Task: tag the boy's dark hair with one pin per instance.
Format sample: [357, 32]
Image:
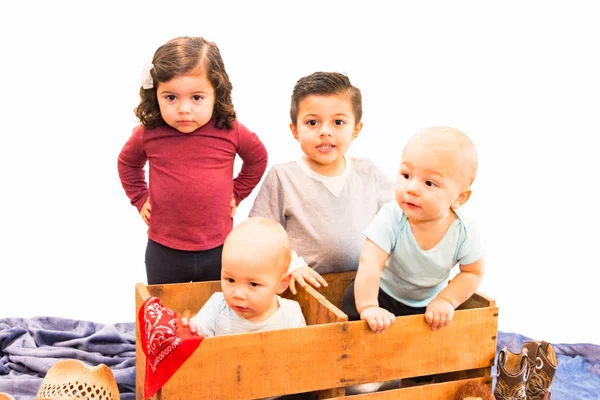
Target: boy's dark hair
[182, 56]
[325, 83]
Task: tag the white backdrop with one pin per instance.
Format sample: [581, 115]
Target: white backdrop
[520, 78]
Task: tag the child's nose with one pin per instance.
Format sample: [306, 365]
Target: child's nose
[184, 106]
[412, 186]
[325, 131]
[239, 293]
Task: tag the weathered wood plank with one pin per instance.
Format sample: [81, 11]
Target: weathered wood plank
[326, 356]
[445, 390]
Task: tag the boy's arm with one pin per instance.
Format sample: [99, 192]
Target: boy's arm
[440, 310]
[269, 202]
[296, 262]
[254, 156]
[269, 199]
[464, 284]
[366, 287]
[303, 274]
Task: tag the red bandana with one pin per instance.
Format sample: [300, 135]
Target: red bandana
[165, 352]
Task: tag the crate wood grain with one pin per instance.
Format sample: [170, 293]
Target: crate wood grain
[329, 354]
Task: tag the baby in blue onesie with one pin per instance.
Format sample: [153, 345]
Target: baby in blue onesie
[413, 242]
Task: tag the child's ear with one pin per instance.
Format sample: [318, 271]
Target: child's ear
[462, 199]
[294, 130]
[285, 282]
[357, 129]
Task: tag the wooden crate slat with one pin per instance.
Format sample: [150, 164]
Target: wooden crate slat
[328, 355]
[445, 390]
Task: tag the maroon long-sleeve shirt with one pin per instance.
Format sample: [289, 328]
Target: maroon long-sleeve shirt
[190, 180]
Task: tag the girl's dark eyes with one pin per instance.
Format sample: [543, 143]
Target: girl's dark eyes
[254, 284]
[405, 175]
[230, 280]
[312, 122]
[339, 122]
[429, 183]
[170, 97]
[197, 98]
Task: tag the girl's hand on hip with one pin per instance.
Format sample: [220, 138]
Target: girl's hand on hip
[146, 211]
[233, 206]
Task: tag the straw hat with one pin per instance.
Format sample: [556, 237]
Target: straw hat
[73, 379]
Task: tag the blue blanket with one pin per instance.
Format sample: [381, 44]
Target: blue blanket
[29, 347]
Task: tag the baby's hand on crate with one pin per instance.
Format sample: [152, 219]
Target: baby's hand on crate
[439, 313]
[186, 326]
[379, 319]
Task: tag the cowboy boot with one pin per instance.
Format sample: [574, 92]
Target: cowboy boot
[542, 366]
[512, 372]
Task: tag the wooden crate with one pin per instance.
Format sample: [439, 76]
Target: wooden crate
[329, 354]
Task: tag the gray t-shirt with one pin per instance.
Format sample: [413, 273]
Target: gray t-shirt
[215, 318]
[325, 229]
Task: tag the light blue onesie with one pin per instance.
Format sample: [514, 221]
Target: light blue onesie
[414, 276]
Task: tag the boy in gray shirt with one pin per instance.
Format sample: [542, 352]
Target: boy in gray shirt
[326, 199]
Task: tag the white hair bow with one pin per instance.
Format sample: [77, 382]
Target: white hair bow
[147, 82]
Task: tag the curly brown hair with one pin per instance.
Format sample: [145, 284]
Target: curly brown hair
[182, 56]
[325, 83]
